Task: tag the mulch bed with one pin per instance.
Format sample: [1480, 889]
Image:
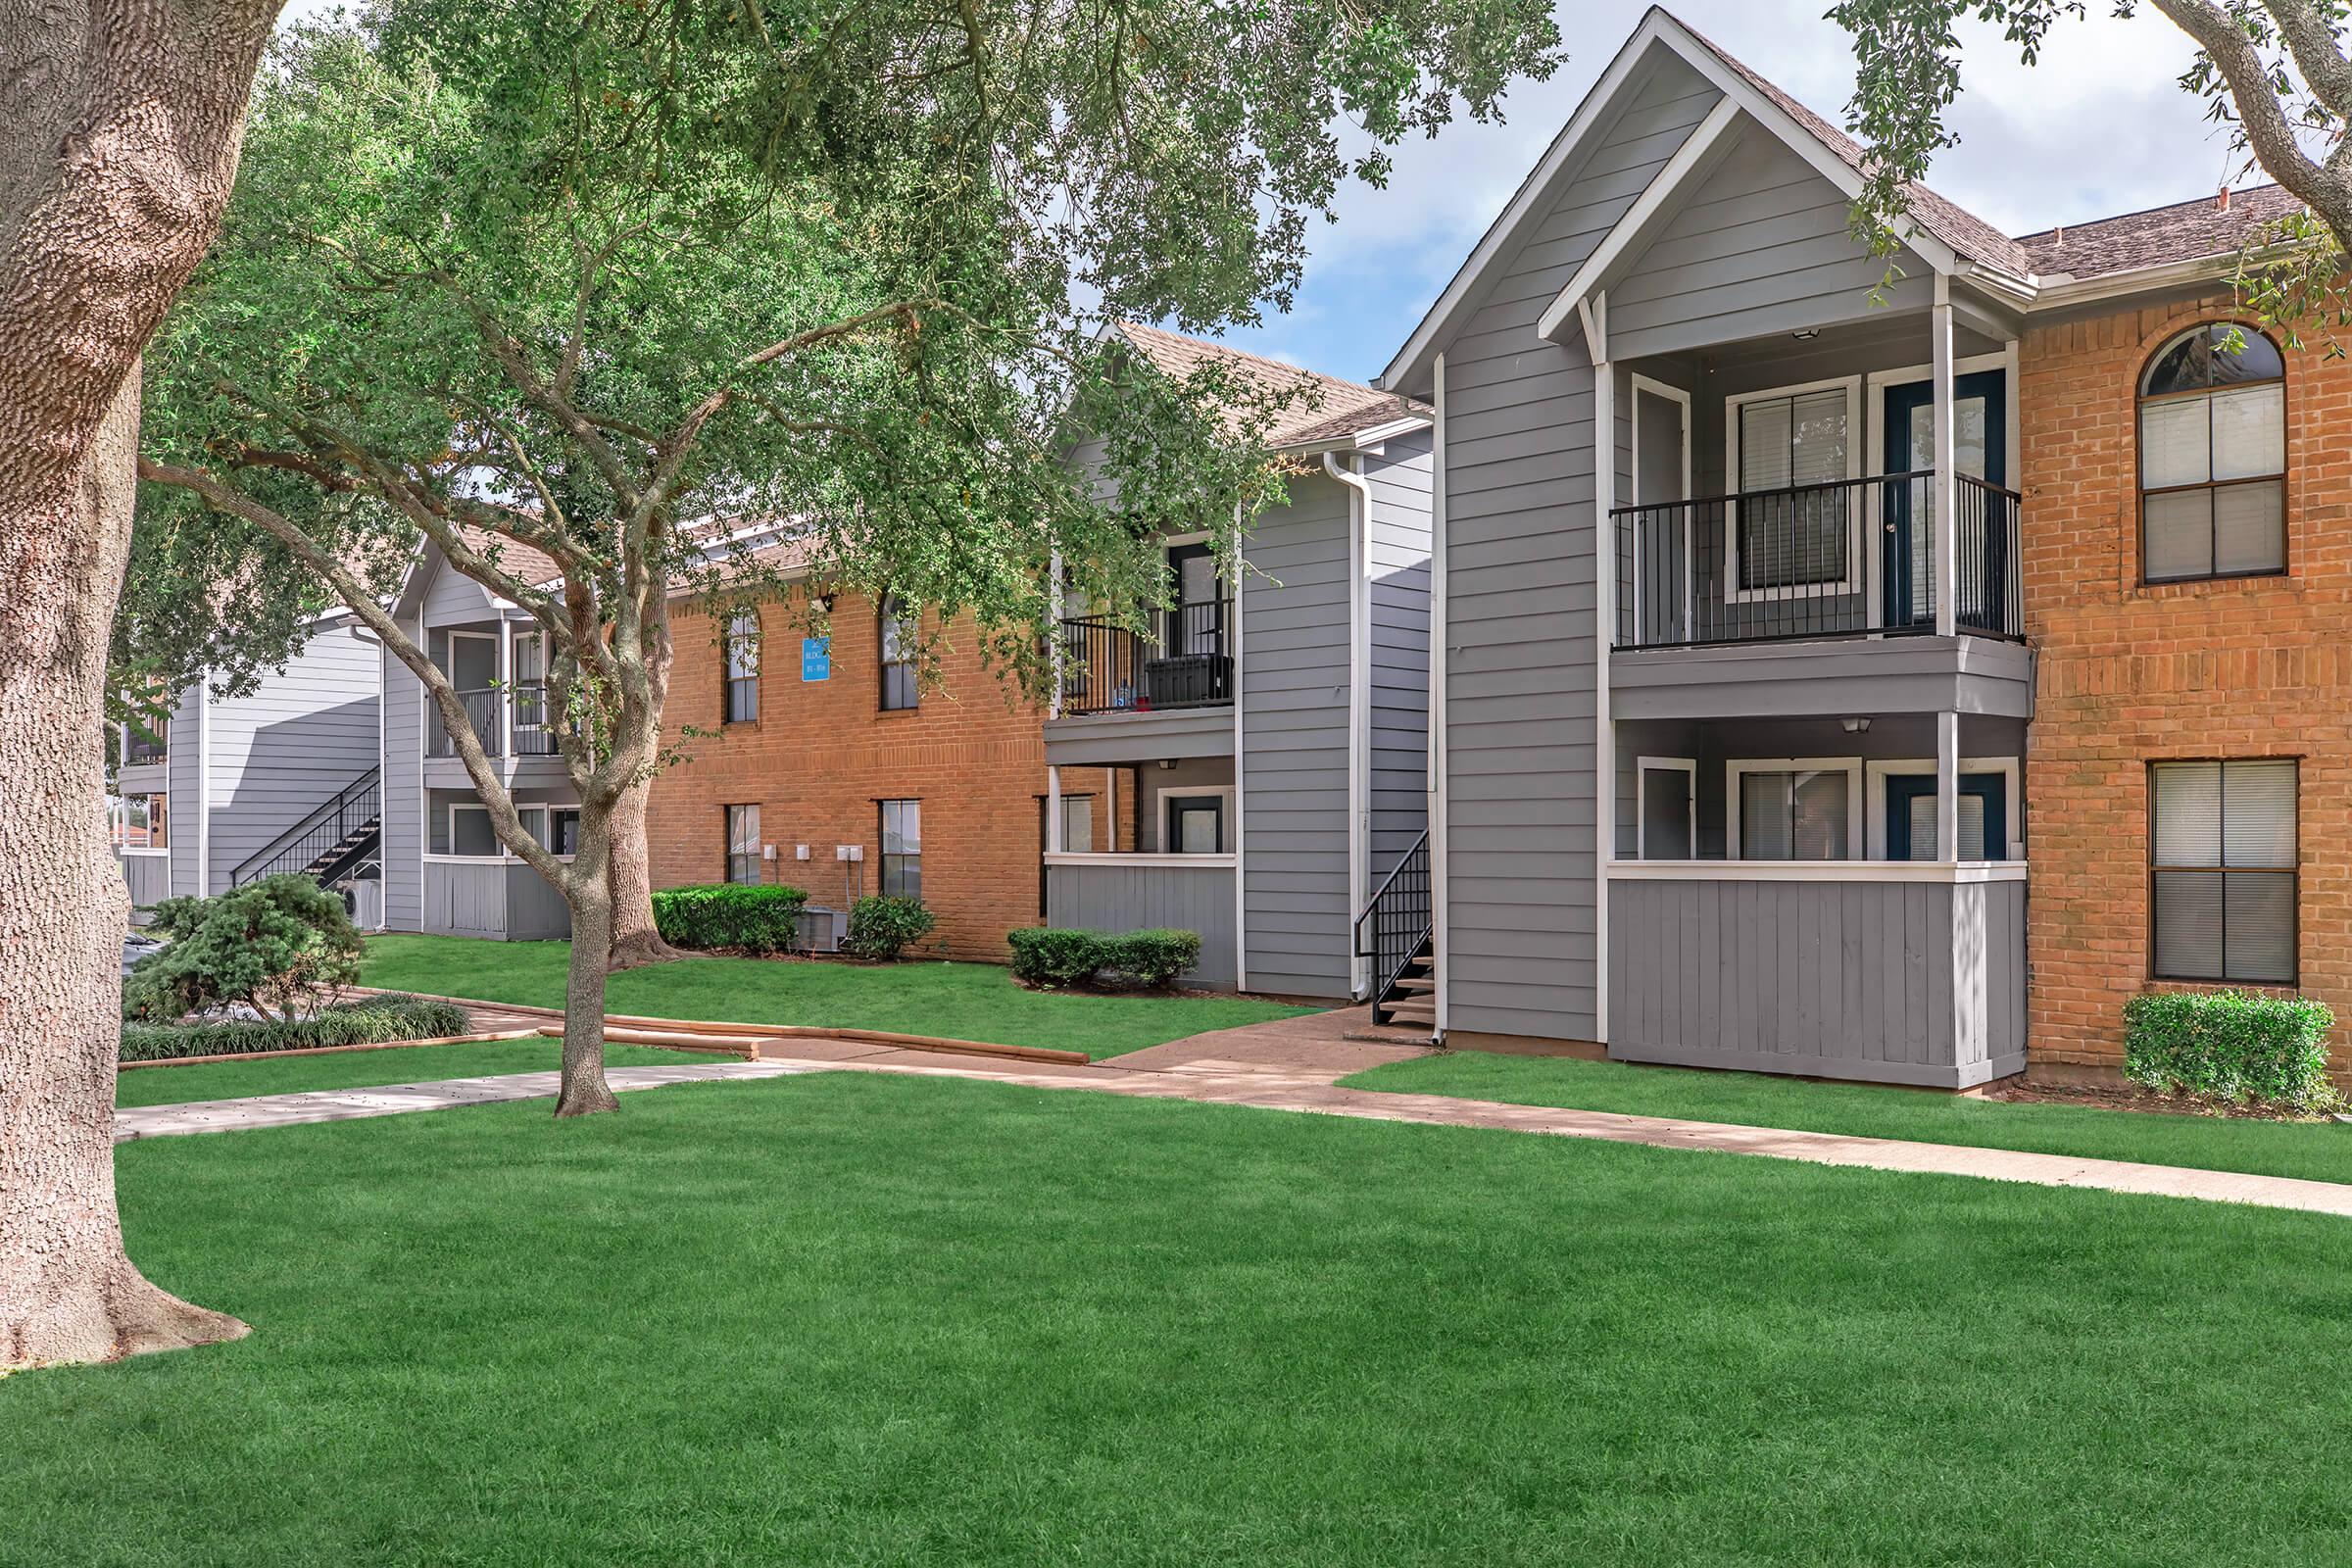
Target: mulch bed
[2127, 1098]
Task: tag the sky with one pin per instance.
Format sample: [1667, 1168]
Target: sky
[2099, 126]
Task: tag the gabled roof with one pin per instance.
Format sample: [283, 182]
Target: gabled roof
[2184, 231]
[1329, 409]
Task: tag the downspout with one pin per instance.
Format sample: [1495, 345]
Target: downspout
[1359, 708]
[204, 786]
[1241, 794]
[1438, 633]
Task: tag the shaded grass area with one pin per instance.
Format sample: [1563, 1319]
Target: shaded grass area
[364, 1069]
[847, 1318]
[948, 1000]
[2316, 1151]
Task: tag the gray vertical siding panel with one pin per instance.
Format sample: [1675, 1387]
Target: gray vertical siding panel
[1295, 735]
[1143, 896]
[1521, 595]
[1399, 655]
[184, 791]
[1842, 980]
[404, 803]
[149, 878]
[284, 749]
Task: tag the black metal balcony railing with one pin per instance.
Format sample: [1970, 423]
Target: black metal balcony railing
[533, 735]
[142, 749]
[1184, 660]
[1770, 565]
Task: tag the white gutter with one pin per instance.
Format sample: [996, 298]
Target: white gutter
[1359, 708]
[204, 787]
[1604, 628]
[1241, 795]
[1438, 633]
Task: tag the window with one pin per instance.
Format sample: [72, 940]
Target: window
[142, 822]
[2213, 458]
[742, 703]
[1195, 825]
[742, 843]
[560, 832]
[1077, 825]
[903, 849]
[1797, 810]
[2222, 870]
[470, 833]
[1792, 527]
[897, 656]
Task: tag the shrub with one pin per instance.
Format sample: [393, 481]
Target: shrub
[2231, 1046]
[730, 914]
[282, 945]
[1045, 956]
[885, 925]
[375, 1021]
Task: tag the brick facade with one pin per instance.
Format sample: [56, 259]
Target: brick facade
[821, 755]
[2129, 673]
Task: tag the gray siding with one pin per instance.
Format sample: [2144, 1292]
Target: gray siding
[1520, 584]
[1143, 896]
[182, 763]
[149, 878]
[1294, 738]
[502, 900]
[1398, 661]
[1094, 739]
[1759, 247]
[1887, 982]
[404, 799]
[302, 734]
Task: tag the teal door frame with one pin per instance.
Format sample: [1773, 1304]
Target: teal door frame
[1894, 553]
[1904, 788]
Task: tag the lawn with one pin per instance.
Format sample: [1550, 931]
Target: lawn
[277, 1074]
[847, 1318]
[948, 1000]
[2319, 1150]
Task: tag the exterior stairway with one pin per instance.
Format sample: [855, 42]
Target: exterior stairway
[1395, 932]
[331, 841]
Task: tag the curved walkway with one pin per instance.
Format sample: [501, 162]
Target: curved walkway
[1271, 1067]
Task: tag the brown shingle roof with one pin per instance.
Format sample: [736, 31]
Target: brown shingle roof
[1329, 408]
[2184, 231]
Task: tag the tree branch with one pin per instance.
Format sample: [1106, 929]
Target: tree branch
[2259, 110]
[2311, 39]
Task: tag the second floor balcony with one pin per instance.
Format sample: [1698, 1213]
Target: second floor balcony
[1184, 658]
[509, 722]
[1849, 558]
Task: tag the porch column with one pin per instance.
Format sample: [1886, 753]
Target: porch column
[1947, 787]
[1052, 810]
[1056, 635]
[506, 687]
[1945, 487]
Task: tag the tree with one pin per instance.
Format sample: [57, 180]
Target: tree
[123, 123]
[2274, 71]
[556, 283]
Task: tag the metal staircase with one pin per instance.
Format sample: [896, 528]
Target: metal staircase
[1395, 932]
[330, 842]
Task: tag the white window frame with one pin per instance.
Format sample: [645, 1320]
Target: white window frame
[1229, 824]
[1879, 771]
[1642, 766]
[1850, 767]
[523, 809]
[118, 813]
[1673, 394]
[1855, 464]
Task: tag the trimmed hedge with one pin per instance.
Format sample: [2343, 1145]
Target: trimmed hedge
[883, 925]
[2231, 1046]
[372, 1022]
[1045, 956]
[731, 915]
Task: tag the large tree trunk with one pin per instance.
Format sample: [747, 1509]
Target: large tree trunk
[589, 891]
[123, 123]
[635, 939]
[67, 1290]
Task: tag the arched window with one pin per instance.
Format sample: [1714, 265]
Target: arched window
[2212, 456]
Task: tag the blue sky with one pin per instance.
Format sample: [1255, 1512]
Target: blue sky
[2099, 126]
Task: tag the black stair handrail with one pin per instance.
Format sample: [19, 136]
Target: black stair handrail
[353, 808]
[1397, 925]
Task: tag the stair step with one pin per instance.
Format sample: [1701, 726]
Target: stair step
[1420, 1010]
[1416, 983]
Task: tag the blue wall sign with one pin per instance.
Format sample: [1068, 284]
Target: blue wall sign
[816, 657]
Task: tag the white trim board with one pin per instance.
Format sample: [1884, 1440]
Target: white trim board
[1146, 861]
[1931, 872]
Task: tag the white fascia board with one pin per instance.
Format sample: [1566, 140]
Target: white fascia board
[1691, 160]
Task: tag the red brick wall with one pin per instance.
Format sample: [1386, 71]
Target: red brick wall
[2129, 673]
[823, 753]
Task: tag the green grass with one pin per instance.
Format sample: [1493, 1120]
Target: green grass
[2317, 1151]
[852, 1319]
[271, 1074]
[948, 1000]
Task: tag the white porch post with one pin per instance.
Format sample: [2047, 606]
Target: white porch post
[1947, 787]
[1052, 810]
[1947, 486]
[1056, 636]
[1604, 633]
[506, 687]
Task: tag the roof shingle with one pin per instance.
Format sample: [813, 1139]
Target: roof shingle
[2183, 231]
[1330, 410]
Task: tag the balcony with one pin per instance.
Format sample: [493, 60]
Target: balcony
[1183, 660]
[1852, 557]
[507, 723]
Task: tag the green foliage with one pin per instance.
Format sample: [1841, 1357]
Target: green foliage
[730, 916]
[374, 1021]
[2231, 1046]
[1045, 956]
[885, 925]
[281, 946]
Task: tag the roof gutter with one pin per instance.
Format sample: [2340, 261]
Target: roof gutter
[1359, 706]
